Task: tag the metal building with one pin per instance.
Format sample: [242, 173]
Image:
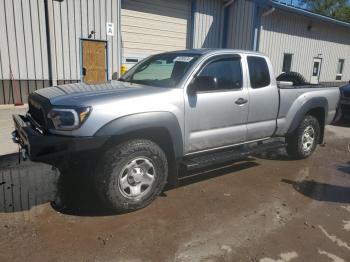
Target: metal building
[50, 42]
[316, 46]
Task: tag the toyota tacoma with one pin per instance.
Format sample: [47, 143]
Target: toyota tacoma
[183, 109]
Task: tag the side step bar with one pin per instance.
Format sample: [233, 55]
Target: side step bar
[233, 154]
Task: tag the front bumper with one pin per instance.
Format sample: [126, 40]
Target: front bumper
[42, 147]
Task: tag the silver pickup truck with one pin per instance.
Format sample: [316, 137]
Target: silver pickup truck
[183, 109]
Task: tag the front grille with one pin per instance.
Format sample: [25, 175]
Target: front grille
[345, 109]
[345, 90]
[346, 94]
[37, 114]
[38, 109]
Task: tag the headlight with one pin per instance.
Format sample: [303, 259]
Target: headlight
[68, 118]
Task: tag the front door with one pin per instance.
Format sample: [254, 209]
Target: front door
[94, 70]
[216, 114]
[316, 69]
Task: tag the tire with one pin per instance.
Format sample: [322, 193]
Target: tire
[123, 177]
[299, 145]
[297, 78]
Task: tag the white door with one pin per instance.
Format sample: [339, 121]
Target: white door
[316, 69]
[154, 26]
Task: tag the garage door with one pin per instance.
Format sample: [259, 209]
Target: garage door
[154, 26]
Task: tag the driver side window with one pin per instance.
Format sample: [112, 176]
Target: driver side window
[226, 72]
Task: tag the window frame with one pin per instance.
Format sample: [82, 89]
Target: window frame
[339, 76]
[213, 59]
[248, 70]
[291, 62]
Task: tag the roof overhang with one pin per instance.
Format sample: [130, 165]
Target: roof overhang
[301, 11]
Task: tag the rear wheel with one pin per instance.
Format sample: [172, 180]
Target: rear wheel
[303, 142]
[131, 175]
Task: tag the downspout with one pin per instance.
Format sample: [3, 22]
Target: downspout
[256, 29]
[257, 24]
[228, 3]
[268, 12]
[225, 22]
[48, 42]
[193, 23]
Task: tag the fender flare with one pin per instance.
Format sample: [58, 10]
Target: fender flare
[141, 121]
[313, 103]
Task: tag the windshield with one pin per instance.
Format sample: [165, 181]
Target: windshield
[163, 70]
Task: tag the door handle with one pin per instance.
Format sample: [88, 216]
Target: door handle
[241, 101]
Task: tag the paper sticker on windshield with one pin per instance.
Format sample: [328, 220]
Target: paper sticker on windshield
[185, 59]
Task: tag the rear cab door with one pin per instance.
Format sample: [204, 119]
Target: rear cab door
[263, 98]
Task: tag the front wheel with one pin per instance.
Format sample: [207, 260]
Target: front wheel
[131, 175]
[303, 142]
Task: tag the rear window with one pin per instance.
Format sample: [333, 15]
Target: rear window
[258, 71]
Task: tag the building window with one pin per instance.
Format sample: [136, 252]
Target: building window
[287, 62]
[340, 68]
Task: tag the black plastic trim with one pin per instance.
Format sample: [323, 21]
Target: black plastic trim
[46, 147]
[316, 102]
[141, 121]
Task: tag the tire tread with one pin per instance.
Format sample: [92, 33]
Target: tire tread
[113, 160]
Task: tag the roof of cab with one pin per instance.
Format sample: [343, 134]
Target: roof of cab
[203, 51]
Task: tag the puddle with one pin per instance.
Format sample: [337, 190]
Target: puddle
[25, 185]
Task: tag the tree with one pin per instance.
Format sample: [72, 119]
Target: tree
[343, 14]
[338, 9]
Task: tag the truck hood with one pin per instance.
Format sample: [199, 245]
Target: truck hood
[83, 94]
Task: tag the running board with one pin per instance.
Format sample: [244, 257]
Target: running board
[233, 154]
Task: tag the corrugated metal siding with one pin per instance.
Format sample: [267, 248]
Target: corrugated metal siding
[72, 20]
[241, 25]
[153, 26]
[283, 32]
[22, 46]
[207, 24]
[23, 42]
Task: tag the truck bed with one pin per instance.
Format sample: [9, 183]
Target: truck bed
[292, 98]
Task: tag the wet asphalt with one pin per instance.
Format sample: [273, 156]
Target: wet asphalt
[266, 208]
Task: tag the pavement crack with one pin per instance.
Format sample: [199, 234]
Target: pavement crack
[284, 257]
[334, 239]
[347, 208]
[346, 225]
[331, 256]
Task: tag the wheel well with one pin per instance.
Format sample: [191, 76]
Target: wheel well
[158, 135]
[319, 114]
[162, 138]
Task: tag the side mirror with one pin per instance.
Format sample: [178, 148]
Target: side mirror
[115, 76]
[202, 83]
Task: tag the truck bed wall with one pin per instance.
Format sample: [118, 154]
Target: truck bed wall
[292, 101]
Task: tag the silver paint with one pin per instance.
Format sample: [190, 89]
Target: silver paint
[207, 120]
